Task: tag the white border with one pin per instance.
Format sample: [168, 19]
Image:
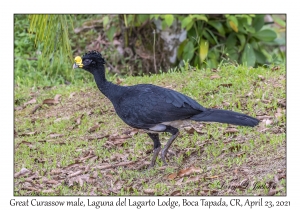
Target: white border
[154, 6]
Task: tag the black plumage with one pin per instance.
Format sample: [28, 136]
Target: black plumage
[153, 108]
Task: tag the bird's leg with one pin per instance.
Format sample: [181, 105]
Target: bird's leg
[174, 132]
[156, 147]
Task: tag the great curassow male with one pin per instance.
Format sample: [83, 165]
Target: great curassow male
[153, 108]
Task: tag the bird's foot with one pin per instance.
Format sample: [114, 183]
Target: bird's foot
[164, 153]
[155, 154]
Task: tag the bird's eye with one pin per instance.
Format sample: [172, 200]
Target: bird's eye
[87, 62]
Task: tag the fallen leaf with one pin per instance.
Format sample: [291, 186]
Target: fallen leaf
[262, 117]
[50, 101]
[193, 179]
[189, 171]
[22, 172]
[95, 127]
[172, 176]
[32, 101]
[51, 181]
[27, 143]
[149, 191]
[48, 191]
[231, 130]
[55, 135]
[75, 173]
[95, 137]
[271, 192]
[28, 134]
[176, 193]
[57, 97]
[191, 130]
[211, 177]
[35, 108]
[18, 108]
[215, 76]
[225, 85]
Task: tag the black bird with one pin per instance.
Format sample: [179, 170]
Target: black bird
[153, 108]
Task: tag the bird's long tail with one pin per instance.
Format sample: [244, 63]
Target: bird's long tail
[225, 116]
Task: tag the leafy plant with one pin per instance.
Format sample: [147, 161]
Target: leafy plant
[213, 38]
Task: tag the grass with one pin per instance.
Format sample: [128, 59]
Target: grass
[78, 146]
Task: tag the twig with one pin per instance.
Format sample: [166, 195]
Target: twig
[154, 52]
[115, 165]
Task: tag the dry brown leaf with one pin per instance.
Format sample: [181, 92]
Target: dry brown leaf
[51, 181]
[32, 101]
[22, 172]
[191, 130]
[57, 97]
[50, 101]
[211, 177]
[28, 134]
[271, 192]
[149, 191]
[94, 128]
[35, 108]
[26, 143]
[176, 193]
[189, 171]
[262, 117]
[193, 179]
[172, 176]
[95, 137]
[75, 174]
[225, 85]
[48, 191]
[18, 108]
[231, 130]
[215, 76]
[131, 132]
[55, 135]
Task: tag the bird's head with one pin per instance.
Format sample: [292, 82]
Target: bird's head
[90, 61]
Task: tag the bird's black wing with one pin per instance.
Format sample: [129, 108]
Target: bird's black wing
[144, 106]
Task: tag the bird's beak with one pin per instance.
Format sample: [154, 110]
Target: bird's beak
[78, 62]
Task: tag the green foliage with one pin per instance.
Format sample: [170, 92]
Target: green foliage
[53, 32]
[32, 65]
[45, 44]
[235, 38]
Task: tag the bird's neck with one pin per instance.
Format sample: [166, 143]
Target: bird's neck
[110, 90]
